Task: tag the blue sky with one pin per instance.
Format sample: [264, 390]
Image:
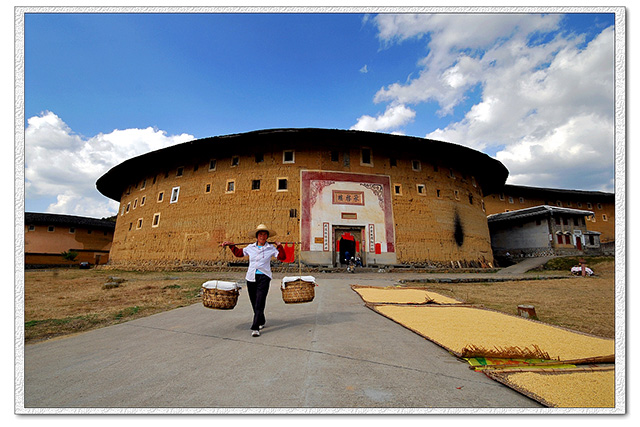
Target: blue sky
[533, 90]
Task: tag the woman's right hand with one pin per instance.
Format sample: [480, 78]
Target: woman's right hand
[223, 244]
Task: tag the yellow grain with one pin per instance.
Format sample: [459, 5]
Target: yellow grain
[456, 327]
[402, 296]
[569, 390]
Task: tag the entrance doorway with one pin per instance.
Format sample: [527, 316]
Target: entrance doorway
[348, 242]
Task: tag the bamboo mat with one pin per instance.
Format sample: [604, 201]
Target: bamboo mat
[460, 328]
[401, 295]
[570, 388]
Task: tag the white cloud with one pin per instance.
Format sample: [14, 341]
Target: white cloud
[545, 102]
[61, 165]
[394, 117]
[364, 69]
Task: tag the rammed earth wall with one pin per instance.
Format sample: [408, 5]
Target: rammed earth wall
[431, 211]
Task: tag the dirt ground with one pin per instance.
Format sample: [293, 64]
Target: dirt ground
[64, 301]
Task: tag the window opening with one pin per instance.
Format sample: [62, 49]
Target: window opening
[175, 192]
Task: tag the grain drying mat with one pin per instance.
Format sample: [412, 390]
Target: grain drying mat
[401, 295]
[563, 388]
[459, 329]
[470, 332]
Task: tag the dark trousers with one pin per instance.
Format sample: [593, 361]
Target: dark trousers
[258, 291]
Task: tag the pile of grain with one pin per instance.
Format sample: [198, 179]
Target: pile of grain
[392, 295]
[455, 328]
[585, 389]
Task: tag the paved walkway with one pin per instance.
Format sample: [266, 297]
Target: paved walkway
[330, 355]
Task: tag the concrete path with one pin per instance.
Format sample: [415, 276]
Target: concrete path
[525, 265]
[330, 353]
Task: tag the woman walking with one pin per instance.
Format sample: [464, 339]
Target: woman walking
[259, 273]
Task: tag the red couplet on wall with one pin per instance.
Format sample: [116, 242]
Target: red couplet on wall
[378, 248]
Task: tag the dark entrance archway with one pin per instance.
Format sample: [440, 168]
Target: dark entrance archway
[347, 240]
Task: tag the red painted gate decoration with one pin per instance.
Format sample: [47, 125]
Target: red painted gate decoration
[347, 236]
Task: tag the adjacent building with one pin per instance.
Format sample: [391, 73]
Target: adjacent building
[543, 231]
[600, 204]
[48, 236]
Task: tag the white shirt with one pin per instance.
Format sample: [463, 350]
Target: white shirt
[259, 259]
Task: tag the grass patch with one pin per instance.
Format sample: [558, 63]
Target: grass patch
[565, 263]
[585, 304]
[65, 301]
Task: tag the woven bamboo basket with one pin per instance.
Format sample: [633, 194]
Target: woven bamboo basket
[219, 299]
[298, 291]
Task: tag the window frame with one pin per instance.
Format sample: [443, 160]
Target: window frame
[231, 183]
[362, 156]
[284, 156]
[175, 191]
[278, 180]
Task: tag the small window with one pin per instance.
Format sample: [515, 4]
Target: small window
[501, 196]
[599, 205]
[144, 184]
[451, 174]
[128, 207]
[72, 230]
[416, 165]
[156, 220]
[144, 199]
[456, 194]
[160, 196]
[207, 188]
[521, 199]
[212, 164]
[393, 162]
[235, 161]
[155, 178]
[135, 203]
[293, 213]
[510, 199]
[579, 204]
[130, 226]
[589, 205]
[604, 217]
[283, 184]
[346, 158]
[559, 203]
[259, 157]
[470, 199]
[421, 189]
[139, 224]
[32, 228]
[438, 193]
[335, 156]
[288, 156]
[231, 186]
[569, 204]
[175, 192]
[366, 157]
[397, 189]
[255, 184]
